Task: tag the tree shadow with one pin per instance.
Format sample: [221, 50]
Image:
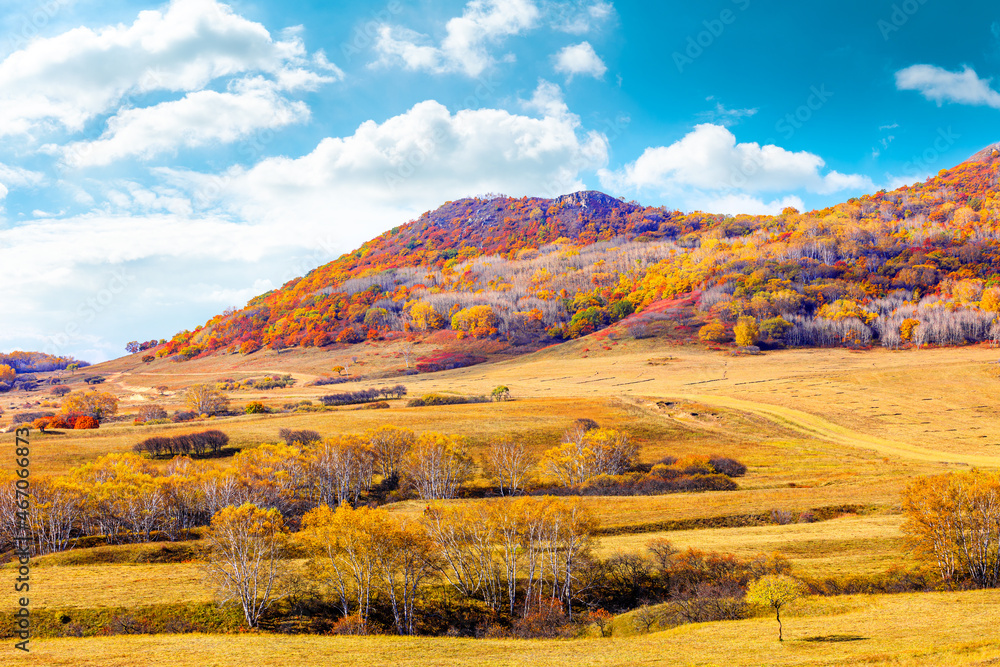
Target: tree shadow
[836, 638]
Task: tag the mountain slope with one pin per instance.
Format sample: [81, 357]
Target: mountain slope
[917, 264]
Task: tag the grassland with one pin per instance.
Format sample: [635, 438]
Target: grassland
[816, 428]
[906, 629]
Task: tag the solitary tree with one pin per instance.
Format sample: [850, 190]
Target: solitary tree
[775, 591]
[746, 331]
[246, 544]
[204, 398]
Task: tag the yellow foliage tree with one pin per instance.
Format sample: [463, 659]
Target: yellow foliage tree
[953, 520]
[584, 454]
[991, 300]
[907, 328]
[478, 321]
[746, 331]
[424, 317]
[96, 404]
[7, 374]
[775, 591]
[713, 332]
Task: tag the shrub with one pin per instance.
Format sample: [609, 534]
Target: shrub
[713, 332]
[380, 405]
[350, 336]
[728, 467]
[249, 347]
[86, 421]
[439, 399]
[349, 625]
[255, 408]
[302, 438]
[319, 382]
[782, 517]
[443, 361]
[546, 621]
[184, 416]
[694, 465]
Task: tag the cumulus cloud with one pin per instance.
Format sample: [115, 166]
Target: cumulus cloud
[578, 18]
[707, 169]
[464, 48]
[200, 118]
[580, 59]
[412, 162]
[709, 159]
[67, 80]
[470, 39]
[939, 85]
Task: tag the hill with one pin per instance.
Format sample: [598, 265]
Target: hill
[915, 265]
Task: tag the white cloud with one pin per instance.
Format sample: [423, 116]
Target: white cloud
[734, 204]
[939, 85]
[73, 77]
[464, 47]
[198, 119]
[708, 159]
[578, 18]
[723, 116]
[580, 59]
[409, 163]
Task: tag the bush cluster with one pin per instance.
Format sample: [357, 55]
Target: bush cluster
[197, 444]
[439, 399]
[363, 395]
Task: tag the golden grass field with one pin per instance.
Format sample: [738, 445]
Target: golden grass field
[906, 629]
[817, 428]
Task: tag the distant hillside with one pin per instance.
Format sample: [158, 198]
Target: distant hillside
[915, 265]
[36, 362]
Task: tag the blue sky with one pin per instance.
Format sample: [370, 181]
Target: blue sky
[162, 162]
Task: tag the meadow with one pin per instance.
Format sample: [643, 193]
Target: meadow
[831, 432]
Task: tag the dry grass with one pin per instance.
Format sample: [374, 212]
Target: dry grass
[88, 586]
[816, 428]
[851, 544]
[911, 629]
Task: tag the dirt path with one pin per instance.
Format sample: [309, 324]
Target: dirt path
[819, 428]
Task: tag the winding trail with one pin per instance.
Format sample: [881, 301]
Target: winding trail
[819, 428]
